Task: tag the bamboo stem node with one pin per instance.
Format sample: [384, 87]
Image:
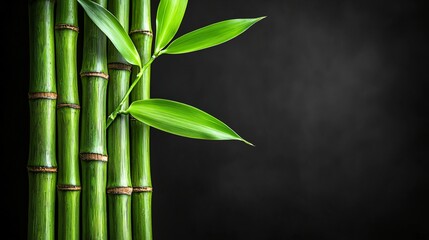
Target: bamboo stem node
[95, 74]
[93, 157]
[68, 188]
[141, 31]
[142, 189]
[119, 66]
[64, 26]
[38, 169]
[42, 95]
[120, 190]
[68, 105]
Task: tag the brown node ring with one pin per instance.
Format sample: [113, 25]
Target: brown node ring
[35, 169]
[68, 105]
[142, 189]
[119, 66]
[145, 32]
[68, 188]
[93, 157]
[120, 190]
[95, 74]
[42, 95]
[66, 26]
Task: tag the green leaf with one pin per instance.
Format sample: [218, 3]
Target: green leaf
[168, 19]
[210, 35]
[181, 119]
[111, 27]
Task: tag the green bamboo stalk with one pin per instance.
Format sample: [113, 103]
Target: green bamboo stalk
[119, 186]
[68, 109]
[141, 34]
[42, 165]
[93, 152]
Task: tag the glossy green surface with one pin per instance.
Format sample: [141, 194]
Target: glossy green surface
[93, 131]
[69, 209]
[118, 166]
[113, 29]
[119, 217]
[168, 19]
[42, 152]
[94, 213]
[67, 120]
[210, 36]
[142, 222]
[41, 207]
[118, 134]
[139, 132]
[181, 119]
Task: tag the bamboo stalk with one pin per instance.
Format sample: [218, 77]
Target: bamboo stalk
[68, 109]
[42, 165]
[119, 186]
[141, 34]
[93, 152]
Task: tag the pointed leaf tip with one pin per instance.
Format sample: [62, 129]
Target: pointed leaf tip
[248, 143]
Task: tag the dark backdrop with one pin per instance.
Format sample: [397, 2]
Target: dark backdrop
[332, 93]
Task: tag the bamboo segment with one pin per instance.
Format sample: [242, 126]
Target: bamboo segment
[93, 152]
[141, 34]
[42, 165]
[68, 109]
[118, 168]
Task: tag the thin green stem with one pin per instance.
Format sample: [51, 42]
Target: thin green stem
[118, 109]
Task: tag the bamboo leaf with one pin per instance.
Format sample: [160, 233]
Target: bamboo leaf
[210, 35]
[111, 27]
[181, 119]
[168, 19]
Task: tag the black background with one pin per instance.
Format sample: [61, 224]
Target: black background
[332, 93]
